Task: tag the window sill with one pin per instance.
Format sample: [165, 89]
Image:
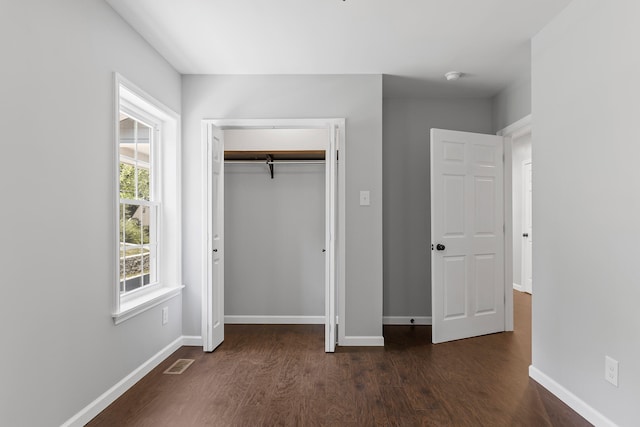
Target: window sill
[143, 303]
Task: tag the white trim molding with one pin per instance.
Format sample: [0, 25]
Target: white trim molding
[406, 320]
[353, 341]
[573, 401]
[509, 134]
[517, 287]
[517, 128]
[94, 408]
[192, 341]
[274, 320]
[149, 300]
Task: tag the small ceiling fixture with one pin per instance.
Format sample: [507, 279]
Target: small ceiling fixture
[453, 75]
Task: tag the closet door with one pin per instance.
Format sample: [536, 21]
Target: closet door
[331, 158]
[213, 289]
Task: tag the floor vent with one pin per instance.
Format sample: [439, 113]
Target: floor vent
[179, 366]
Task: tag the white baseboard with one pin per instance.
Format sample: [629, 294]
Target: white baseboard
[517, 287]
[275, 320]
[109, 396]
[193, 341]
[406, 320]
[351, 341]
[573, 401]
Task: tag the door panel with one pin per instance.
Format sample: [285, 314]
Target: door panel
[213, 329]
[330, 242]
[455, 296]
[467, 219]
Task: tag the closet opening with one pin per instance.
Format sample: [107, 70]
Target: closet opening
[274, 246]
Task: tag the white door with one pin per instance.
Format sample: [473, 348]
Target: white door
[330, 242]
[467, 232]
[213, 296]
[527, 236]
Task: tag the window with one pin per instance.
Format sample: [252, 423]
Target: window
[139, 206]
[147, 193]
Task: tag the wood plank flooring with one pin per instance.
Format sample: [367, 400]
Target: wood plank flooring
[279, 375]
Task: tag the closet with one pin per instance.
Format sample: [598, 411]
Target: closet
[274, 225]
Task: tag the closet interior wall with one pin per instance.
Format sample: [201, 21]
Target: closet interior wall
[274, 230]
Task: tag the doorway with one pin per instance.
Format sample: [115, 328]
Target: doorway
[477, 204]
[518, 138]
[213, 309]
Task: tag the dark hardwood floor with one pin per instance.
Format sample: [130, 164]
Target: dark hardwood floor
[269, 375]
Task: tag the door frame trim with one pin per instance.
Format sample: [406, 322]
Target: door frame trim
[340, 239]
[523, 257]
[510, 133]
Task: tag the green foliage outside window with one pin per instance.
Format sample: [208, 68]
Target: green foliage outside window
[135, 231]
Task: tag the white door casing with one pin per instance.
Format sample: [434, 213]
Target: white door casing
[527, 227]
[213, 288]
[467, 229]
[213, 225]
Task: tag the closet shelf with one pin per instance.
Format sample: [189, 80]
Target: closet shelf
[272, 158]
[275, 155]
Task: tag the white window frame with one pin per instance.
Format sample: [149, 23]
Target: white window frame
[134, 112]
[165, 167]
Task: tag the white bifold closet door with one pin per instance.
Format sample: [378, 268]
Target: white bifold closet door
[213, 291]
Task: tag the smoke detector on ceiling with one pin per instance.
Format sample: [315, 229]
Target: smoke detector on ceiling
[453, 75]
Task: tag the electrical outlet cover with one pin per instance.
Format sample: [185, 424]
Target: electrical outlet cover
[611, 370]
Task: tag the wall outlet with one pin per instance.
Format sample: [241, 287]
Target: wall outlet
[611, 370]
[165, 315]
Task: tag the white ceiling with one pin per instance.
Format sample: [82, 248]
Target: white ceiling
[412, 42]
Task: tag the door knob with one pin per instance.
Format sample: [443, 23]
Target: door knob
[215, 250]
[440, 247]
[525, 234]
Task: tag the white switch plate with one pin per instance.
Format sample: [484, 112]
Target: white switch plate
[611, 370]
[165, 315]
[365, 198]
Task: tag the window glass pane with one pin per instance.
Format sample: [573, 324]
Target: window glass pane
[135, 159]
[130, 224]
[127, 181]
[143, 184]
[127, 137]
[134, 279]
[143, 138]
[138, 246]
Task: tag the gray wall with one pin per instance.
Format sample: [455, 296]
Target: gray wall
[274, 235]
[358, 98]
[61, 349]
[512, 103]
[407, 239]
[587, 203]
